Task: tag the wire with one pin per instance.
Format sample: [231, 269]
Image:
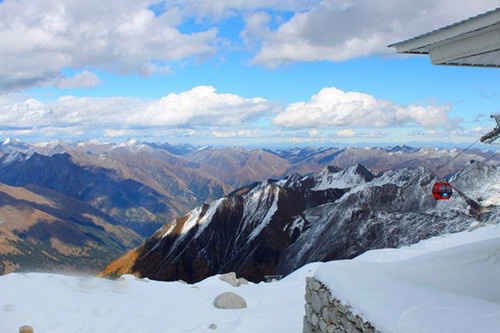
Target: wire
[459, 191]
[439, 167]
[483, 162]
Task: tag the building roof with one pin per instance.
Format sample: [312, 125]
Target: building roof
[471, 42]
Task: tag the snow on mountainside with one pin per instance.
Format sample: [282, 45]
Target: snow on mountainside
[87, 304]
[487, 192]
[238, 166]
[276, 227]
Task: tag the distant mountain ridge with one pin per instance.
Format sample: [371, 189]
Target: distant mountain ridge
[143, 185]
[275, 227]
[259, 164]
[135, 186]
[44, 230]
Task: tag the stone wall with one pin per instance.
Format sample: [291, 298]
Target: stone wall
[325, 313]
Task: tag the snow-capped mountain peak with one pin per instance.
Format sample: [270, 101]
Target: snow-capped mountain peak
[331, 177]
[276, 227]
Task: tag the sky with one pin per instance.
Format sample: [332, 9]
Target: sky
[251, 73]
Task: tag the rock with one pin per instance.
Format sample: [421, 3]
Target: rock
[322, 326]
[330, 315]
[230, 300]
[242, 281]
[212, 326]
[26, 329]
[316, 302]
[307, 296]
[315, 285]
[314, 320]
[307, 328]
[325, 296]
[309, 311]
[230, 278]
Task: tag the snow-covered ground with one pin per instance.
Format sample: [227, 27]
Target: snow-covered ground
[60, 303]
[446, 284]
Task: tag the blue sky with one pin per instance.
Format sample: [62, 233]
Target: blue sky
[260, 73]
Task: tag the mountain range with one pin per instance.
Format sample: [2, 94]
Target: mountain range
[41, 230]
[275, 227]
[141, 186]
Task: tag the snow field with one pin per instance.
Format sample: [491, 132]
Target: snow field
[444, 284]
[61, 303]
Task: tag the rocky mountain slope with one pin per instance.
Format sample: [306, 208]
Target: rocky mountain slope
[275, 227]
[44, 230]
[144, 185]
[131, 183]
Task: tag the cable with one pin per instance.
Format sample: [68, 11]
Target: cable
[439, 167]
[459, 191]
[483, 162]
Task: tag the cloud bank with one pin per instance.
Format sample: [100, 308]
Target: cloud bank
[203, 112]
[336, 30]
[332, 107]
[200, 106]
[40, 38]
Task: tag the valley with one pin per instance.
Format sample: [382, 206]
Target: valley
[264, 212]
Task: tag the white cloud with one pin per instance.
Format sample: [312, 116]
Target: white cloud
[256, 26]
[334, 107]
[40, 38]
[346, 133]
[111, 133]
[200, 106]
[83, 79]
[240, 133]
[336, 30]
[313, 133]
[375, 133]
[305, 140]
[474, 132]
[216, 10]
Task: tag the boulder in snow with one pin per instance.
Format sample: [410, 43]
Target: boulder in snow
[232, 280]
[230, 300]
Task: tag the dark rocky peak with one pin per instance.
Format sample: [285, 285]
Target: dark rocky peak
[268, 228]
[332, 169]
[292, 180]
[180, 150]
[402, 149]
[364, 172]
[333, 177]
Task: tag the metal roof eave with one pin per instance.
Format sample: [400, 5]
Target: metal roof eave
[421, 43]
[472, 42]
